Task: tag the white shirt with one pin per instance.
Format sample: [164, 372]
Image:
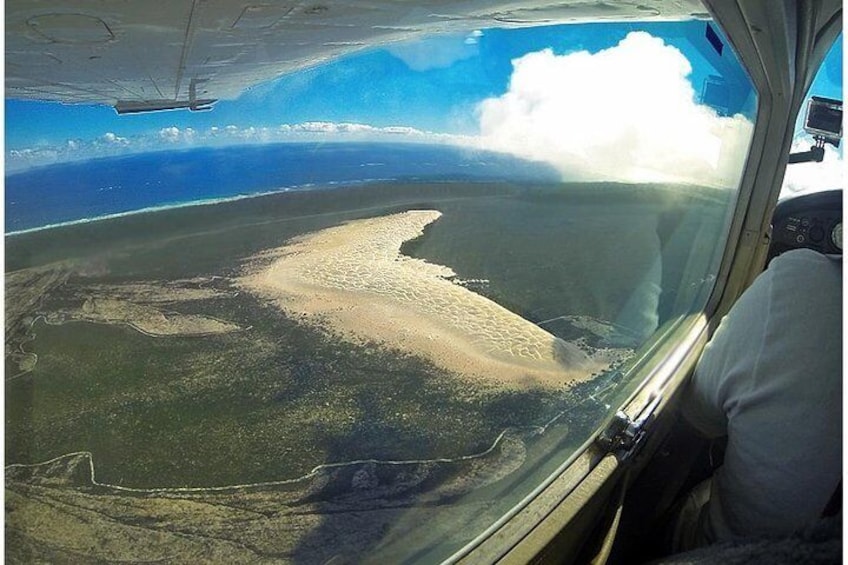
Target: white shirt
[771, 380]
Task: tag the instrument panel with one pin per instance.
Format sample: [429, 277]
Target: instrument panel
[812, 221]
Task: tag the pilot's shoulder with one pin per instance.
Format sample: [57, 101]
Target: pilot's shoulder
[804, 259]
[806, 286]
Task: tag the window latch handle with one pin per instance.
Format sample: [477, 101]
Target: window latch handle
[624, 436]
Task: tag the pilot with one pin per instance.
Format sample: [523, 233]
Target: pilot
[771, 381]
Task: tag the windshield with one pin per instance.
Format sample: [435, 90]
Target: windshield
[804, 178]
[362, 311]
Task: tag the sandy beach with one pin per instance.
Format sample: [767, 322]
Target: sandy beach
[353, 280]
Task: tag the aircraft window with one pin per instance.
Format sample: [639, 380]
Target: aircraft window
[803, 178]
[363, 310]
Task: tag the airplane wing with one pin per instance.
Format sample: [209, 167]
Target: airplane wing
[142, 56]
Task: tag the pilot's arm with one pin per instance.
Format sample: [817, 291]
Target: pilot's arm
[771, 380]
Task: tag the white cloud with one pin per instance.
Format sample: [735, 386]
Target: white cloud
[802, 178]
[318, 127]
[236, 134]
[172, 137]
[349, 130]
[114, 139]
[173, 134]
[103, 145]
[170, 134]
[626, 114]
[31, 157]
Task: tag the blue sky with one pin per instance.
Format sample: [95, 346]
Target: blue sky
[450, 86]
[828, 80]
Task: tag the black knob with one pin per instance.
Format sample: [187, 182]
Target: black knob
[816, 233]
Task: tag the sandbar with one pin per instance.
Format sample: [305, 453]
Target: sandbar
[353, 280]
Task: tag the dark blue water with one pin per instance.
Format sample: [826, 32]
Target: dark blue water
[86, 190]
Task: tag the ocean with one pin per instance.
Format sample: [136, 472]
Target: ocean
[79, 191]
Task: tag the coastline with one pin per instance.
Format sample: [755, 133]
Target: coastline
[85, 191]
[303, 188]
[147, 210]
[202, 202]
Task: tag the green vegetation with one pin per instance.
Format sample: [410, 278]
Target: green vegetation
[275, 400]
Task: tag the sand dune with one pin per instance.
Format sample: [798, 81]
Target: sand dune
[353, 280]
